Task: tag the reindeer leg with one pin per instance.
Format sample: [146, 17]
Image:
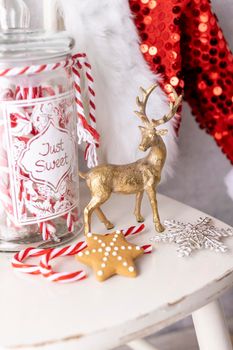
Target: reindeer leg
[137, 211]
[153, 201]
[103, 219]
[92, 205]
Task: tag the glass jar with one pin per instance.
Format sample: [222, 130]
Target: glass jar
[39, 185]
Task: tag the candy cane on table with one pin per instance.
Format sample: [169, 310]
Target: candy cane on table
[18, 264]
[133, 230]
[147, 248]
[67, 277]
[46, 268]
[47, 255]
[62, 277]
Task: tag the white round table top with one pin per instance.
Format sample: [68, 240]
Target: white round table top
[35, 313]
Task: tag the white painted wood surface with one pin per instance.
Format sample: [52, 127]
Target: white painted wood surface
[141, 344]
[211, 329]
[90, 315]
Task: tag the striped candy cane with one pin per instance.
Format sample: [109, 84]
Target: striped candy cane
[133, 230]
[147, 248]
[86, 132]
[48, 231]
[47, 255]
[83, 64]
[44, 268]
[70, 221]
[62, 277]
[67, 277]
[18, 263]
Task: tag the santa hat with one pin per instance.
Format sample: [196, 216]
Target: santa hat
[105, 31]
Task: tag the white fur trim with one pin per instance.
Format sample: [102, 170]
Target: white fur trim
[229, 183]
[105, 31]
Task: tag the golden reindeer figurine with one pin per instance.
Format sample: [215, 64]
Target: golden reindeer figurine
[134, 178]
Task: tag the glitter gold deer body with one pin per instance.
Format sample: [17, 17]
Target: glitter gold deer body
[135, 178]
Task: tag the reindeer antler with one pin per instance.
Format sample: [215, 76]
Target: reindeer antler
[173, 109]
[142, 104]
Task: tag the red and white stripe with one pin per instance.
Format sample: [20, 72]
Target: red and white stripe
[48, 230]
[30, 93]
[18, 263]
[47, 255]
[133, 230]
[86, 131]
[27, 93]
[62, 277]
[147, 248]
[43, 267]
[35, 69]
[70, 222]
[91, 92]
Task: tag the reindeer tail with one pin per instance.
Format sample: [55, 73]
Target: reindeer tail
[82, 175]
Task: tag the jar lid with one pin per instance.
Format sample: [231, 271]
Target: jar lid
[17, 45]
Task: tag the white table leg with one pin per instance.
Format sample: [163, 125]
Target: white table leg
[140, 344]
[211, 329]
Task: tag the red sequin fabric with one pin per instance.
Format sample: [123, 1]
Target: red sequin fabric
[182, 40]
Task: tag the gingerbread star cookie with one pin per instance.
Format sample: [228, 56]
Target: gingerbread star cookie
[110, 255]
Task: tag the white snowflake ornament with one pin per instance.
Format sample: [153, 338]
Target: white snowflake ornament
[190, 237]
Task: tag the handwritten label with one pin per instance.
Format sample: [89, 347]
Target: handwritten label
[41, 147]
[48, 156]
